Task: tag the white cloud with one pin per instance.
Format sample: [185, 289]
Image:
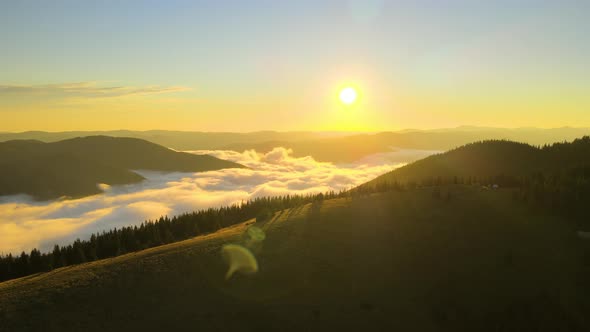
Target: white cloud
[86, 90]
[25, 224]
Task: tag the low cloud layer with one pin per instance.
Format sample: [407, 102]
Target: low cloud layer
[25, 224]
[86, 90]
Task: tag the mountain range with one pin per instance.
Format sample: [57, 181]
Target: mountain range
[74, 167]
[326, 146]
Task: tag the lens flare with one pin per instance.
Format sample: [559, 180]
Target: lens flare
[240, 259]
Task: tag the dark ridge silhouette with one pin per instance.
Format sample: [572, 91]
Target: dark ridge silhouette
[493, 159]
[74, 167]
[52, 176]
[133, 153]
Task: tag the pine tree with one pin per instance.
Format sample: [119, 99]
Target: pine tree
[35, 261]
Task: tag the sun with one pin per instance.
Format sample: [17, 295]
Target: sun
[348, 95]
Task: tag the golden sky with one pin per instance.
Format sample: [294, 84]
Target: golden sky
[214, 66]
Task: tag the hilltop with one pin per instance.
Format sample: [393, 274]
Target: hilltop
[398, 260]
[75, 166]
[496, 160]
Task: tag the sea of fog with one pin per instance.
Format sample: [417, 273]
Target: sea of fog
[26, 224]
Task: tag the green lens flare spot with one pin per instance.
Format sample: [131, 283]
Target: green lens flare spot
[255, 233]
[239, 259]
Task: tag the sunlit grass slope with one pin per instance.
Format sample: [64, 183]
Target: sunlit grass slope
[402, 261]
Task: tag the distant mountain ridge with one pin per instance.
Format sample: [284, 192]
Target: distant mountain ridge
[178, 140]
[75, 166]
[327, 146]
[354, 147]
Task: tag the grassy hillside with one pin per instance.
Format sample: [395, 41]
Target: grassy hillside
[399, 260]
[74, 167]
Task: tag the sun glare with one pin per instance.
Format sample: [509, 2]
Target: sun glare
[348, 95]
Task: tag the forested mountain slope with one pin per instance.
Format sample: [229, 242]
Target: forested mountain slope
[74, 167]
[493, 161]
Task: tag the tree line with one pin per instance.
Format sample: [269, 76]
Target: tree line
[150, 233]
[564, 192]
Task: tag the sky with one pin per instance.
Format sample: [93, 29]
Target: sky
[278, 65]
